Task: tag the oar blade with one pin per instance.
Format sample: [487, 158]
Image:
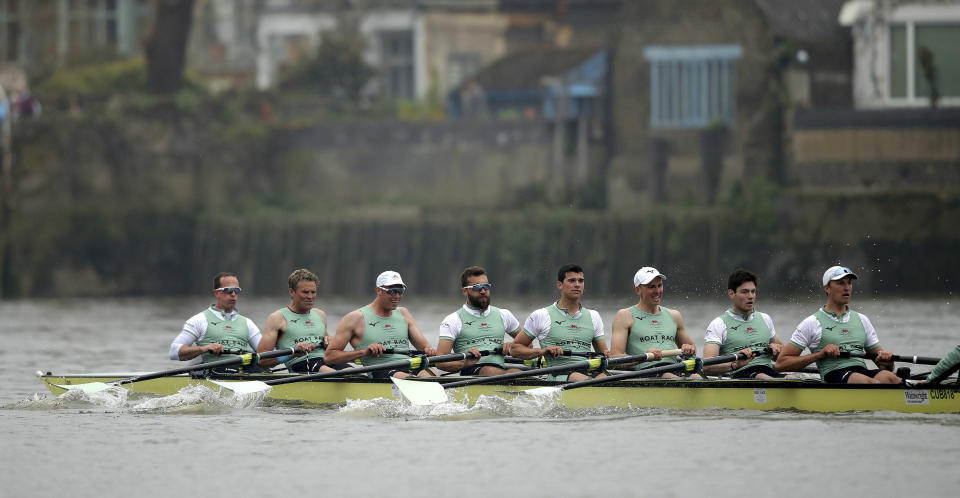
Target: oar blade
[89, 388]
[243, 387]
[543, 392]
[421, 392]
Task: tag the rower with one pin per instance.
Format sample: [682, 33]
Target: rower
[833, 329]
[383, 324]
[563, 325]
[217, 328]
[648, 327]
[944, 368]
[300, 325]
[742, 329]
[477, 326]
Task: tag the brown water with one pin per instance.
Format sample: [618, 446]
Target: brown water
[198, 444]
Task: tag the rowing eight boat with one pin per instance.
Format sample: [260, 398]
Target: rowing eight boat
[753, 394]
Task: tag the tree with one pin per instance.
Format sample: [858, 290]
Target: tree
[337, 70]
[166, 47]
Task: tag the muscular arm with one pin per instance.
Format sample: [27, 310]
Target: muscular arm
[348, 332]
[416, 337]
[600, 346]
[791, 361]
[183, 347]
[683, 339]
[880, 352]
[709, 351]
[621, 332]
[523, 347]
[191, 352]
[269, 336]
[445, 346]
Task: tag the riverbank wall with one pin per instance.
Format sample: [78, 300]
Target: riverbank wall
[107, 206]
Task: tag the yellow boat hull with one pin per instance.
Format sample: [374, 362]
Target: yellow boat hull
[797, 395]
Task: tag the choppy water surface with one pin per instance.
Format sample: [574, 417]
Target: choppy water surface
[199, 443]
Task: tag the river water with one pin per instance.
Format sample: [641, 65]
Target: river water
[197, 444]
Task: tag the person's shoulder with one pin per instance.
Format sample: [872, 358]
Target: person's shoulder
[717, 323]
[199, 316]
[674, 313]
[451, 318]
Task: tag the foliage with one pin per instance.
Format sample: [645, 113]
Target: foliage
[97, 81]
[337, 69]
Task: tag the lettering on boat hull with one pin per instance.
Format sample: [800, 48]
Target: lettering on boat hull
[759, 395]
[916, 397]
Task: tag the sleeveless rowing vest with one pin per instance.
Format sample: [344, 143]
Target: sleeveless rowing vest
[308, 327]
[232, 334]
[753, 333]
[572, 334]
[390, 331]
[652, 330]
[484, 333]
[850, 336]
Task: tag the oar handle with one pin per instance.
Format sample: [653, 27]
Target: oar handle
[423, 361]
[513, 375]
[244, 359]
[919, 360]
[616, 360]
[694, 364]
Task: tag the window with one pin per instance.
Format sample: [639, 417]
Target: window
[692, 86]
[396, 62]
[907, 40]
[12, 16]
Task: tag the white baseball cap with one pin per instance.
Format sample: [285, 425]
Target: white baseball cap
[388, 278]
[836, 273]
[646, 275]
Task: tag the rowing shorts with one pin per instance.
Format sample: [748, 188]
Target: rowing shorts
[842, 375]
[231, 370]
[386, 374]
[564, 377]
[751, 372]
[474, 370]
[311, 365]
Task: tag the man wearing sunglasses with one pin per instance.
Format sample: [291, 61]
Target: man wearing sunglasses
[477, 326]
[383, 324]
[298, 325]
[564, 325]
[208, 333]
[833, 329]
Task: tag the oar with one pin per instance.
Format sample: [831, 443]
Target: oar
[693, 365]
[244, 359]
[253, 386]
[431, 393]
[919, 360]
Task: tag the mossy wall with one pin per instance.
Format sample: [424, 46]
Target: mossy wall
[159, 204]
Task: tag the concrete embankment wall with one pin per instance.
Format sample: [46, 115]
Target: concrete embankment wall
[154, 207]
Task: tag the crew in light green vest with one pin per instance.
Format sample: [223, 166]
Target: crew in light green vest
[947, 366]
[833, 329]
[648, 327]
[218, 328]
[742, 329]
[563, 325]
[477, 326]
[383, 324]
[299, 325]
